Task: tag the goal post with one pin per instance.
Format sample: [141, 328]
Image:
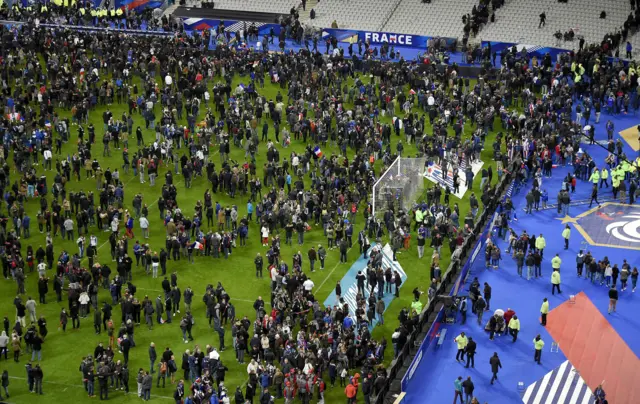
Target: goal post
[399, 186]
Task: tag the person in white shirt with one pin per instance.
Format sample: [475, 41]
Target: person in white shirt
[42, 269]
[214, 355]
[115, 223]
[47, 159]
[265, 236]
[80, 242]
[168, 81]
[308, 285]
[274, 278]
[93, 241]
[252, 367]
[84, 300]
[144, 225]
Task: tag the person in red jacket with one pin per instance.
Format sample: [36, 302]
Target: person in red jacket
[508, 315]
[351, 391]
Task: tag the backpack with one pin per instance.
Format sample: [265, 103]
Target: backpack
[163, 368]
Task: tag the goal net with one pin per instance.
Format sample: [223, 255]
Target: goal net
[399, 186]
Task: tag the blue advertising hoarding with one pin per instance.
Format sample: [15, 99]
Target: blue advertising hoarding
[201, 24]
[342, 35]
[378, 38]
[532, 50]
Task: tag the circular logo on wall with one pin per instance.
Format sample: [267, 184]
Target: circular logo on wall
[626, 229]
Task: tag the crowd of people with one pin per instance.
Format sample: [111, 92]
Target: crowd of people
[560, 109]
[297, 343]
[187, 98]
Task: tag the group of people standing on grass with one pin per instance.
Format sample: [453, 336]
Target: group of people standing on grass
[306, 340]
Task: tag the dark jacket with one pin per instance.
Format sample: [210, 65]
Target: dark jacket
[471, 347]
[468, 387]
[495, 364]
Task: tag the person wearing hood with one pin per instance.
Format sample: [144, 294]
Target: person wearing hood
[351, 391]
[64, 319]
[31, 308]
[15, 344]
[4, 342]
[239, 397]
[147, 383]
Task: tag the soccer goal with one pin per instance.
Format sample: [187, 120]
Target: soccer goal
[399, 186]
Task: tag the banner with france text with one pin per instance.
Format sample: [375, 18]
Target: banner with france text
[378, 38]
[350, 285]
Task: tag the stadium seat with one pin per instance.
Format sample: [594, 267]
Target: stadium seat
[366, 15]
[517, 21]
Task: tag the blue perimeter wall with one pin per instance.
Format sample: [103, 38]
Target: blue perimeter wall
[375, 38]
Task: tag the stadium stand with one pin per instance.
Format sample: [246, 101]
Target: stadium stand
[366, 15]
[518, 21]
[439, 18]
[271, 6]
[635, 43]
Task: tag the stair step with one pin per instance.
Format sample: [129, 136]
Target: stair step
[304, 14]
[169, 10]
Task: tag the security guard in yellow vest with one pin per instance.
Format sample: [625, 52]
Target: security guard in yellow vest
[595, 177]
[538, 344]
[604, 176]
[615, 184]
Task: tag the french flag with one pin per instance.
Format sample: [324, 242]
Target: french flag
[197, 246]
[317, 151]
[15, 116]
